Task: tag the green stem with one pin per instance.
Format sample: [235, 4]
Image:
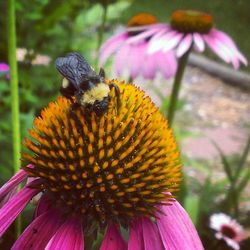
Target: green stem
[104, 18]
[176, 86]
[14, 93]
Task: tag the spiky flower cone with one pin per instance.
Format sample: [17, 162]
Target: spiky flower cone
[109, 168]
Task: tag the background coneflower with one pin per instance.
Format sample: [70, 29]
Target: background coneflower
[130, 50]
[100, 174]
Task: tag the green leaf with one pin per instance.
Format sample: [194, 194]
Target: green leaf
[191, 205]
[225, 163]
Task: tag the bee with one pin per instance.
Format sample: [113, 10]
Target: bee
[82, 82]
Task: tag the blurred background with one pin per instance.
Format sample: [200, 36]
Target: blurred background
[212, 122]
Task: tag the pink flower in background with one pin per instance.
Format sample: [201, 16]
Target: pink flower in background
[129, 49]
[4, 67]
[194, 29]
[227, 229]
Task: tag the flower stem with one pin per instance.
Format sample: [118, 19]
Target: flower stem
[104, 18]
[176, 86]
[14, 93]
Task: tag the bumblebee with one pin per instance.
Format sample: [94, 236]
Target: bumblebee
[81, 81]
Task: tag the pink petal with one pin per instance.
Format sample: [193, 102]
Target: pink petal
[121, 59]
[135, 240]
[14, 207]
[211, 42]
[176, 229]
[68, 236]
[111, 45]
[151, 236]
[13, 183]
[43, 205]
[4, 67]
[113, 239]
[37, 235]
[135, 59]
[167, 41]
[143, 35]
[198, 42]
[149, 65]
[184, 45]
[167, 63]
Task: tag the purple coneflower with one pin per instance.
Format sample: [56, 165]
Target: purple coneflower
[130, 50]
[99, 175]
[227, 229]
[189, 28]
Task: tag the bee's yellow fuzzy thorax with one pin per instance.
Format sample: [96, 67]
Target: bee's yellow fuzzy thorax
[96, 94]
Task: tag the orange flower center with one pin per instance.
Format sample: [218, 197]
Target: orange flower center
[141, 20]
[191, 21]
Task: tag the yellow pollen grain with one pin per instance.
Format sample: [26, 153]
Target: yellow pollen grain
[117, 133]
[114, 163]
[75, 132]
[128, 165]
[140, 185]
[82, 163]
[67, 187]
[62, 154]
[146, 192]
[135, 176]
[127, 205]
[53, 153]
[55, 142]
[80, 152]
[111, 200]
[91, 160]
[148, 178]
[66, 133]
[91, 137]
[53, 189]
[42, 163]
[50, 164]
[109, 177]
[113, 187]
[72, 168]
[109, 128]
[130, 190]
[100, 143]
[102, 189]
[119, 171]
[120, 194]
[63, 178]
[108, 140]
[89, 184]
[84, 175]
[99, 180]
[90, 149]
[62, 144]
[124, 181]
[96, 169]
[91, 194]
[105, 165]
[71, 154]
[94, 125]
[74, 177]
[101, 132]
[118, 145]
[52, 178]
[78, 186]
[80, 141]
[72, 142]
[61, 166]
[101, 154]
[110, 152]
[135, 199]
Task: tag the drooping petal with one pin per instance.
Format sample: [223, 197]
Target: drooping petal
[184, 45]
[167, 41]
[13, 183]
[167, 63]
[135, 59]
[43, 206]
[14, 206]
[37, 235]
[110, 46]
[149, 66]
[113, 239]
[198, 42]
[176, 229]
[211, 42]
[120, 60]
[135, 240]
[151, 236]
[143, 35]
[68, 236]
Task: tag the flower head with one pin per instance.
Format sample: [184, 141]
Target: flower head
[130, 50]
[227, 229]
[189, 29]
[99, 173]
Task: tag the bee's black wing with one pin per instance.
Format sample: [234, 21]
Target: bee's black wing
[74, 67]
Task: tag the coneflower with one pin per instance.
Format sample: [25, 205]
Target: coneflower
[99, 175]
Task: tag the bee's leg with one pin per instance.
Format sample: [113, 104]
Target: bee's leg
[102, 73]
[117, 93]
